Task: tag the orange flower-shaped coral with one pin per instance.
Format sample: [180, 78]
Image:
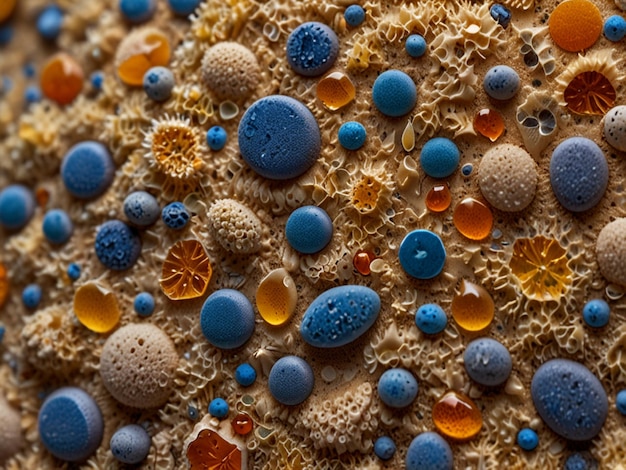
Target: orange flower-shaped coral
[590, 93]
[210, 451]
[186, 271]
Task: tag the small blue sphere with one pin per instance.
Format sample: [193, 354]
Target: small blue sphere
[501, 14]
[141, 208]
[596, 313]
[467, 169]
[354, 15]
[384, 448]
[2, 331]
[227, 319]
[49, 22]
[291, 380]
[158, 83]
[118, 245]
[97, 79]
[415, 45]
[431, 319]
[352, 135]
[31, 296]
[397, 388]
[144, 304]
[527, 439]
[620, 401]
[312, 49]
[87, 170]
[216, 138]
[245, 375]
[501, 82]
[439, 157]
[32, 94]
[130, 444]
[73, 271]
[17, 205]
[137, 11]
[218, 408]
[394, 93]
[429, 451]
[183, 7]
[57, 226]
[615, 28]
[488, 362]
[309, 229]
[175, 215]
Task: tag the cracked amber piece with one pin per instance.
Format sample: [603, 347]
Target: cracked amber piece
[61, 78]
[473, 219]
[541, 268]
[143, 50]
[489, 123]
[438, 198]
[457, 416]
[472, 308]
[210, 451]
[186, 271]
[365, 194]
[96, 308]
[590, 93]
[276, 297]
[362, 260]
[4, 284]
[335, 91]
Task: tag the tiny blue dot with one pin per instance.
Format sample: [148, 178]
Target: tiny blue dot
[394, 93]
[97, 79]
[175, 215]
[245, 375]
[431, 319]
[57, 226]
[354, 15]
[218, 408]
[73, 271]
[615, 28]
[17, 205]
[158, 83]
[501, 14]
[31, 296]
[620, 401]
[415, 45]
[527, 439]
[183, 7]
[144, 304]
[49, 22]
[216, 138]
[137, 11]
[352, 135]
[2, 331]
[439, 157]
[596, 313]
[309, 229]
[384, 448]
[29, 70]
[192, 412]
[32, 94]
[467, 169]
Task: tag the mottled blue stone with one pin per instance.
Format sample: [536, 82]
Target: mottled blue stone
[130, 444]
[488, 362]
[429, 451]
[312, 49]
[397, 388]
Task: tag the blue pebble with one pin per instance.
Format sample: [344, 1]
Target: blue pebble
[117, 245]
[97, 79]
[175, 215]
[384, 448]
[6, 34]
[467, 169]
[569, 399]
[439, 157]
[501, 14]
[415, 45]
[615, 28]
[2, 331]
[431, 319]
[422, 254]
[429, 451]
[354, 15]
[312, 49]
[158, 83]
[141, 208]
[49, 22]
[73, 271]
[579, 173]
[29, 70]
[87, 170]
[31, 296]
[596, 313]
[32, 94]
[309, 229]
[227, 319]
[620, 401]
[339, 316]
[394, 93]
[245, 375]
[218, 408]
[17, 205]
[501, 82]
[192, 412]
[352, 135]
[130, 444]
[581, 461]
[183, 7]
[70, 424]
[488, 362]
[57, 226]
[216, 138]
[144, 304]
[397, 388]
[279, 137]
[291, 380]
[527, 439]
[137, 11]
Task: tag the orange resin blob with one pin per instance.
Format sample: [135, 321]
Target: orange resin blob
[575, 25]
[590, 93]
[4, 284]
[186, 271]
[362, 260]
[6, 8]
[472, 308]
[489, 123]
[61, 78]
[242, 424]
[96, 308]
[335, 91]
[42, 196]
[438, 198]
[143, 50]
[210, 451]
[457, 416]
[276, 297]
[473, 219]
[365, 194]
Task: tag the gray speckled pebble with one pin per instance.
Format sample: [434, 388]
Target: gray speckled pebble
[487, 362]
[615, 127]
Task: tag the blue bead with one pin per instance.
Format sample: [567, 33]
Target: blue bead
[31, 296]
[97, 79]
[415, 45]
[158, 83]
[29, 70]
[117, 245]
[501, 82]
[279, 137]
[6, 34]
[192, 412]
[137, 11]
[397, 388]
[501, 14]
[467, 169]
[354, 15]
[394, 93]
[596, 313]
[431, 319]
[487, 362]
[175, 215]
[218, 408]
[32, 94]
[141, 208]
[17, 205]
[352, 135]
[429, 451]
[183, 7]
[527, 439]
[2, 331]
[580, 461]
[439, 157]
[245, 375]
[309, 229]
[291, 380]
[579, 173]
[312, 49]
[144, 304]
[73, 271]
[227, 319]
[384, 448]
[569, 399]
[87, 170]
[422, 254]
[130, 444]
[57, 226]
[49, 22]
[620, 401]
[70, 424]
[216, 138]
[615, 28]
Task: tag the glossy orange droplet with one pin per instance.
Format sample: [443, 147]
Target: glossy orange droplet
[242, 424]
[42, 195]
[489, 123]
[96, 308]
[139, 52]
[61, 78]
[365, 194]
[186, 271]
[362, 260]
[473, 219]
[6, 8]
[276, 297]
[472, 308]
[210, 451]
[438, 198]
[335, 91]
[575, 25]
[590, 93]
[457, 416]
[4, 284]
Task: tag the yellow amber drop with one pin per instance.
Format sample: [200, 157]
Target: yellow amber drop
[472, 308]
[186, 271]
[6, 8]
[61, 78]
[473, 219]
[541, 268]
[489, 123]
[335, 91]
[365, 194]
[590, 93]
[141, 51]
[408, 137]
[438, 198]
[276, 297]
[457, 416]
[362, 260]
[4, 284]
[96, 308]
[210, 451]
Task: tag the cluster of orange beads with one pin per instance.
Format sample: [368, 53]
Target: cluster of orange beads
[438, 198]
[489, 123]
[473, 219]
[590, 93]
[457, 416]
[335, 91]
[210, 451]
[186, 271]
[61, 78]
[362, 260]
[145, 49]
[472, 308]
[575, 25]
[365, 194]
[242, 424]
[4, 284]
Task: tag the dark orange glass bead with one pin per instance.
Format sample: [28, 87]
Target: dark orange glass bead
[242, 424]
[489, 123]
[473, 219]
[61, 78]
[210, 451]
[472, 308]
[438, 198]
[590, 93]
[4, 284]
[362, 260]
[457, 416]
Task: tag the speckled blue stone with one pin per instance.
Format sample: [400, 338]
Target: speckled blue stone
[620, 401]
[49, 22]
[309, 229]
[73, 271]
[579, 173]
[279, 137]
[415, 45]
[580, 461]
[527, 439]
[291, 380]
[216, 138]
[57, 226]
[397, 388]
[354, 15]
[439, 157]
[17, 205]
[183, 7]
[218, 408]
[245, 375]
[130, 444]
[501, 14]
[70, 424]
[158, 83]
[175, 215]
[117, 245]
[394, 93]
[141, 208]
[144, 304]
[137, 11]
[596, 313]
[384, 448]
[501, 82]
[227, 319]
[312, 49]
[422, 254]
[429, 451]
[339, 316]
[615, 28]
[569, 399]
[31, 296]
[87, 170]
[431, 319]
[488, 362]
[352, 135]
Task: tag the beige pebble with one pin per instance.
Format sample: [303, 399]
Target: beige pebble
[611, 251]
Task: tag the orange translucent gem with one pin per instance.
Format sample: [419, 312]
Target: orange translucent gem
[42, 195]
[472, 308]
[335, 90]
[186, 271]
[6, 8]
[210, 451]
[142, 50]
[362, 260]
[242, 424]
[365, 194]
[575, 25]
[61, 78]
[489, 123]
[457, 416]
[590, 93]
[473, 219]
[96, 308]
[4, 284]
[438, 198]
[276, 297]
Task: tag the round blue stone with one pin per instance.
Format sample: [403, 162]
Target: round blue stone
[137, 11]
[439, 157]
[397, 388]
[183, 7]
[97, 79]
[17, 205]
[130, 444]
[467, 169]
[394, 93]
[384, 448]
[144, 304]
[415, 45]
[117, 245]
[527, 439]
[32, 94]
[227, 319]
[431, 319]
[422, 254]
[245, 375]
[175, 215]
[312, 49]
[309, 229]
[31, 296]
[501, 82]
[429, 451]
[620, 401]
[141, 208]
[615, 28]
[488, 362]
[352, 135]
[218, 408]
[87, 170]
[354, 15]
[49, 22]
[57, 226]
[216, 138]
[158, 83]
[596, 313]
[73, 271]
[291, 380]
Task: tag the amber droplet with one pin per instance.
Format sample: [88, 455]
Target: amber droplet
[242, 424]
[489, 123]
[362, 260]
[438, 198]
[473, 219]
[365, 194]
[472, 308]
[61, 78]
[408, 137]
[4, 284]
[6, 8]
[139, 52]
[457, 416]
[96, 308]
[210, 451]
[276, 297]
[186, 271]
[42, 195]
[335, 90]
[590, 93]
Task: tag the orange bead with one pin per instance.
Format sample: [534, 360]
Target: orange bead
[335, 91]
[142, 50]
[42, 195]
[210, 451]
[489, 123]
[4, 284]
[61, 78]
[590, 93]
[575, 25]
[186, 271]
[473, 219]
[6, 8]
[457, 416]
[438, 198]
[472, 308]
[242, 424]
[362, 260]
[276, 297]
